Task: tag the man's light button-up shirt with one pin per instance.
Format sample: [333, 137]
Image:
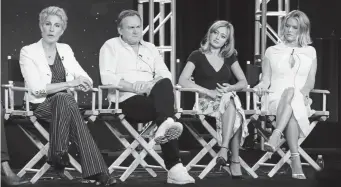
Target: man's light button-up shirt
[119, 61]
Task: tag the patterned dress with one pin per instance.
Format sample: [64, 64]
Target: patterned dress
[206, 76]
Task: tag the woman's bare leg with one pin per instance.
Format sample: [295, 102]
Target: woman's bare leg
[228, 120]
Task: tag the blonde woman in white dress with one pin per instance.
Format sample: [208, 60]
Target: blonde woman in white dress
[289, 70]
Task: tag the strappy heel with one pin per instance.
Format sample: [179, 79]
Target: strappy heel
[238, 177]
[272, 148]
[296, 175]
[220, 161]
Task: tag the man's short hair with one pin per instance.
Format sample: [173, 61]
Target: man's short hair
[126, 13]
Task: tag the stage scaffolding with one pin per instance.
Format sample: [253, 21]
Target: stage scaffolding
[262, 32]
[162, 19]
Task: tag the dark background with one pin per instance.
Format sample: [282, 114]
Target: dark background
[92, 22]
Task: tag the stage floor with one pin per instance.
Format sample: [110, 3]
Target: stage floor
[330, 176]
[214, 179]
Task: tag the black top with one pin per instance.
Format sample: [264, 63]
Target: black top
[58, 70]
[206, 76]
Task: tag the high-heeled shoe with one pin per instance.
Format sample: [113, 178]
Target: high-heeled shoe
[299, 176]
[272, 148]
[105, 180]
[59, 160]
[220, 161]
[237, 177]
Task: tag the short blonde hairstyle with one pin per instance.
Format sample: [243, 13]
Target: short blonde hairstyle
[228, 48]
[53, 10]
[303, 27]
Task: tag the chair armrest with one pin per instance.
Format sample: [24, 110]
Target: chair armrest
[109, 87]
[320, 91]
[9, 94]
[93, 96]
[15, 88]
[178, 89]
[263, 110]
[324, 97]
[247, 90]
[106, 87]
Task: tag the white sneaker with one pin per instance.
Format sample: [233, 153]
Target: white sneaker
[168, 130]
[178, 175]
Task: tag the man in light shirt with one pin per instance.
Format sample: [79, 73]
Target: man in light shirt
[146, 90]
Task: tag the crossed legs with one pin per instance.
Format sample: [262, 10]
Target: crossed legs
[230, 141]
[159, 107]
[287, 123]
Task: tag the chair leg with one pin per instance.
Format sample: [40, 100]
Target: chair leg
[207, 147]
[285, 159]
[280, 163]
[309, 159]
[33, 161]
[68, 175]
[202, 153]
[247, 168]
[40, 173]
[202, 141]
[262, 160]
[209, 167]
[142, 155]
[130, 149]
[267, 156]
[142, 141]
[43, 151]
[75, 164]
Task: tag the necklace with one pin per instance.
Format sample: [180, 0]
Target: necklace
[50, 55]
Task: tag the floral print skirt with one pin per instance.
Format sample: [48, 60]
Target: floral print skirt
[217, 107]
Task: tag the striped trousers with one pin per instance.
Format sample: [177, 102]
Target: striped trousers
[67, 125]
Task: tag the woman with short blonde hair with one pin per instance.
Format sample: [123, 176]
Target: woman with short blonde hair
[50, 69]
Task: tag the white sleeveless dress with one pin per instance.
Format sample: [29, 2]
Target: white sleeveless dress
[283, 76]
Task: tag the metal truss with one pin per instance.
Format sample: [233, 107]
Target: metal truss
[267, 31]
[161, 18]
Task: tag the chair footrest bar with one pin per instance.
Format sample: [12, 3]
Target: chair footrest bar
[199, 166]
[31, 170]
[130, 136]
[267, 164]
[109, 111]
[70, 169]
[153, 166]
[120, 167]
[189, 112]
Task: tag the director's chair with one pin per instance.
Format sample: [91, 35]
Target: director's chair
[267, 120]
[207, 146]
[23, 115]
[130, 147]
[318, 116]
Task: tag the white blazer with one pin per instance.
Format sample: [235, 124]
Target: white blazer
[37, 73]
